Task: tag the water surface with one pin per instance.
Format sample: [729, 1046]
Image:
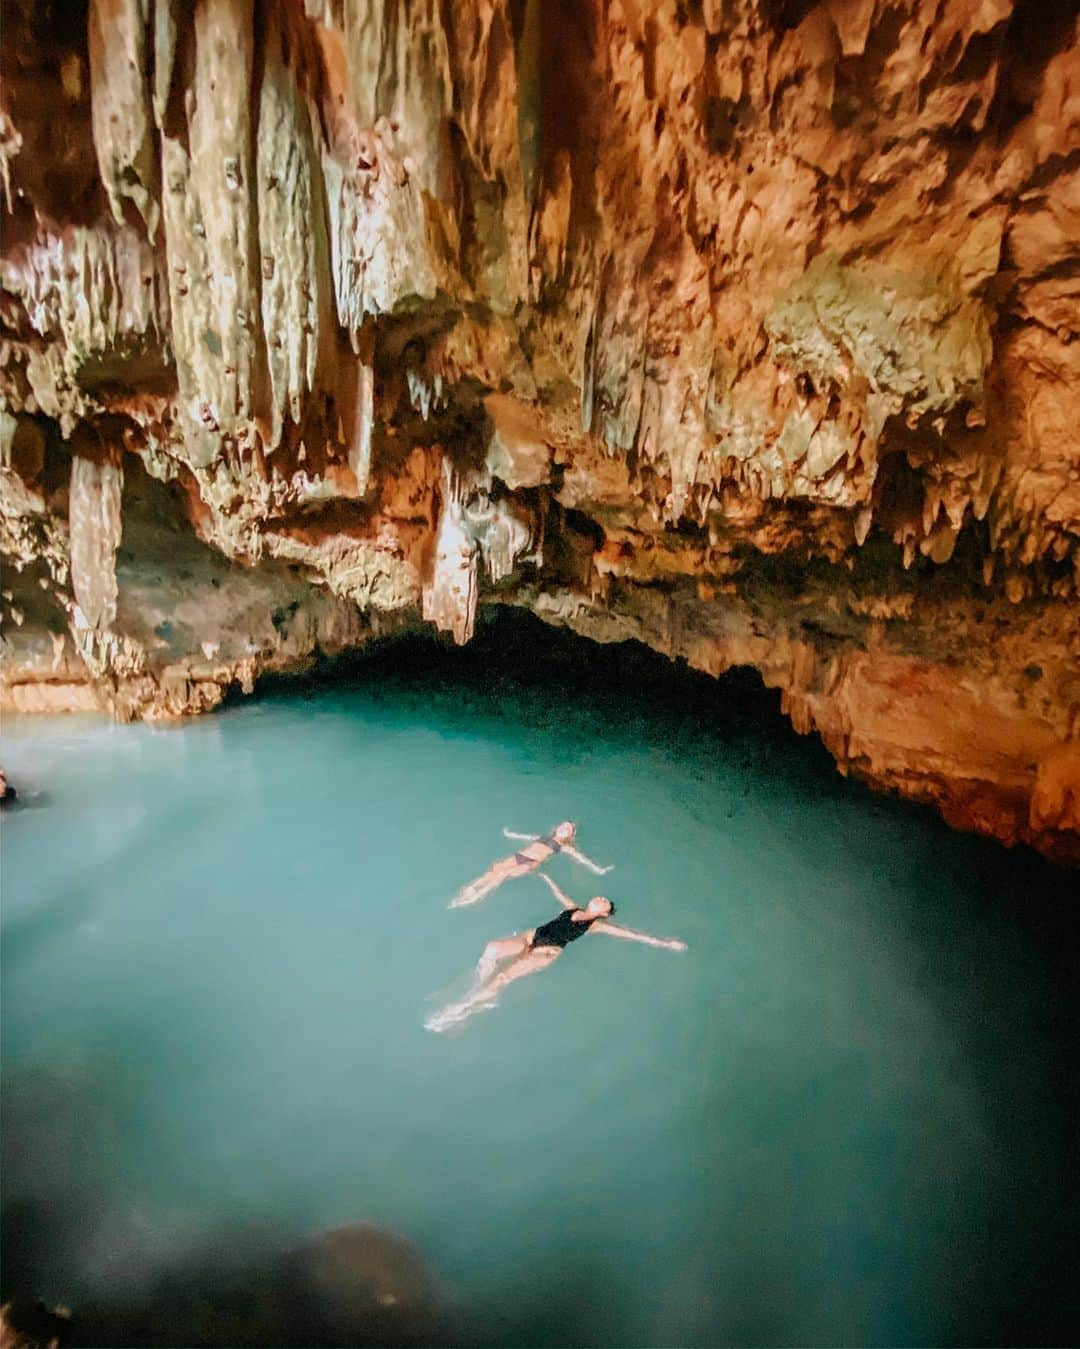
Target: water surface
[846, 1115]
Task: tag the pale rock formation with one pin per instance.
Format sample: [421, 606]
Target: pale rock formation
[94, 528]
[474, 527]
[745, 329]
[32, 1325]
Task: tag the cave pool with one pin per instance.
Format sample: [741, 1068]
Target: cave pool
[846, 1115]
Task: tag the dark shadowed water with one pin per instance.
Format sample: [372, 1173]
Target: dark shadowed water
[846, 1115]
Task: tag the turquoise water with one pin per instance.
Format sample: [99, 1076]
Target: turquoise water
[847, 1114]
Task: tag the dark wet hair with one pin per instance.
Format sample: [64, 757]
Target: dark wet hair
[611, 902]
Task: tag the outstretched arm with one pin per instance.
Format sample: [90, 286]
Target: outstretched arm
[522, 838]
[563, 899]
[571, 851]
[628, 934]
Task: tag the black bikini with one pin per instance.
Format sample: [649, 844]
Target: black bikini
[549, 841]
[560, 931]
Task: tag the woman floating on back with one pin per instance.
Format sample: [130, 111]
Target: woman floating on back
[534, 950]
[538, 848]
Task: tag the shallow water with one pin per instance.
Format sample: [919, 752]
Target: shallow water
[847, 1114]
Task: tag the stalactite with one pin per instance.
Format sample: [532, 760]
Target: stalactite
[701, 320]
[450, 595]
[292, 240]
[121, 106]
[364, 416]
[473, 527]
[209, 235]
[166, 14]
[95, 525]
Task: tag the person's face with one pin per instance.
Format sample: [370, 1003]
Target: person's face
[565, 832]
[600, 907]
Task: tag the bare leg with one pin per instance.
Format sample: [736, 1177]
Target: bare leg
[485, 995]
[479, 889]
[504, 949]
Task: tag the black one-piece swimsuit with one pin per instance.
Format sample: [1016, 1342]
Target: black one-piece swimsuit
[560, 931]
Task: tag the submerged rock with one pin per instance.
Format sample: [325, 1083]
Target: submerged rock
[362, 1284]
[358, 1284]
[31, 1325]
[744, 330]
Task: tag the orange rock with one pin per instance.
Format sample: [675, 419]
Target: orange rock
[760, 319]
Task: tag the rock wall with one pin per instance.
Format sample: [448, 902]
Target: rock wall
[744, 328]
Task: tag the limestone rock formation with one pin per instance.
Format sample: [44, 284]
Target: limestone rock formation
[744, 328]
[31, 1325]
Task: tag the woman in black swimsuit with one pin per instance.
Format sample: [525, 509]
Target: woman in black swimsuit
[536, 948]
[536, 852]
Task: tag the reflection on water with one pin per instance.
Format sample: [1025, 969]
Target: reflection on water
[845, 1115]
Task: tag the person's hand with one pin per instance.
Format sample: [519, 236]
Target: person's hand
[604, 870]
[675, 945]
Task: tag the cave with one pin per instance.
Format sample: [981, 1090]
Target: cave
[653, 420]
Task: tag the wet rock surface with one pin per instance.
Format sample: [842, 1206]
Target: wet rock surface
[746, 330]
[31, 1325]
